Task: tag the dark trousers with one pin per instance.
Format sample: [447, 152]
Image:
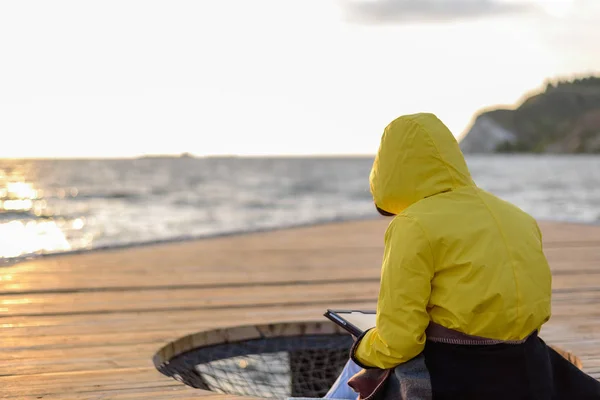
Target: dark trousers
[530, 370]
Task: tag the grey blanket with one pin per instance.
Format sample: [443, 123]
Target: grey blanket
[409, 381]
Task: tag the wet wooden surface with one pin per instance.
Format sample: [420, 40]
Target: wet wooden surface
[86, 326]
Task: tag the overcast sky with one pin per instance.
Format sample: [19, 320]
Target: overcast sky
[131, 77]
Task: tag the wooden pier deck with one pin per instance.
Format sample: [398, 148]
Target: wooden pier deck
[86, 326]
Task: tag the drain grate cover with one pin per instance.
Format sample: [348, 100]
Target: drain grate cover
[270, 361]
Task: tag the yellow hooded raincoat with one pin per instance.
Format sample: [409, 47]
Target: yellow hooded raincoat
[454, 254]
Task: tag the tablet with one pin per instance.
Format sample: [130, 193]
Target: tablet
[354, 321]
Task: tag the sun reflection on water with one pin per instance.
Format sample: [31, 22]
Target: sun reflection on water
[17, 205]
[21, 229]
[18, 238]
[21, 190]
[17, 196]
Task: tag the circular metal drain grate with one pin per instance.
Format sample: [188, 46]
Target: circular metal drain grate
[270, 361]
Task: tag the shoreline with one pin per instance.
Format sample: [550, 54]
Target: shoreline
[9, 262]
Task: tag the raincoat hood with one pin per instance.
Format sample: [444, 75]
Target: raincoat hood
[418, 157]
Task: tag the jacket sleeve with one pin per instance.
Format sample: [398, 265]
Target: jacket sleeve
[402, 318]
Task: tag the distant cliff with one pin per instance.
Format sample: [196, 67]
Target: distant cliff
[563, 118]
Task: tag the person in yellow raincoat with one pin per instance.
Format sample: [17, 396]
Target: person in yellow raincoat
[464, 280]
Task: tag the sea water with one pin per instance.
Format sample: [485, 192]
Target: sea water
[53, 206]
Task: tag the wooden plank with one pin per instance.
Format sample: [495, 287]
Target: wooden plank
[191, 299]
[83, 382]
[179, 392]
[161, 333]
[131, 322]
[89, 338]
[109, 350]
[568, 233]
[575, 293]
